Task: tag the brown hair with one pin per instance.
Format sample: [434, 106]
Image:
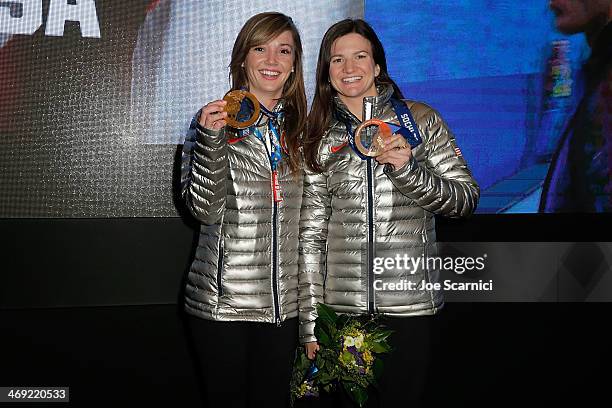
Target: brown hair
[258, 30]
[319, 118]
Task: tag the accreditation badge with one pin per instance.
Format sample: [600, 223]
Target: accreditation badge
[276, 189]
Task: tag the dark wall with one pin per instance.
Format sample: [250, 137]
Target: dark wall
[132, 261]
[85, 262]
[95, 305]
[484, 355]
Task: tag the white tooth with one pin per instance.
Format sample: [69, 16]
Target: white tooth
[270, 73]
[351, 79]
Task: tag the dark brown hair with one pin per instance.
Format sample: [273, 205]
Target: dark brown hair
[319, 118]
[258, 30]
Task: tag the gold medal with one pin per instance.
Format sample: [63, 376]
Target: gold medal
[234, 102]
[378, 141]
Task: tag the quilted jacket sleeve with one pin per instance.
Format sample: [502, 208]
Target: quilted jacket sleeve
[204, 170]
[314, 217]
[440, 181]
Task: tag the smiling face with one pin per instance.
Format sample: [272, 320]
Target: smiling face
[269, 65]
[352, 68]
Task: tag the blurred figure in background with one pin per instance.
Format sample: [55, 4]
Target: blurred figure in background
[578, 179]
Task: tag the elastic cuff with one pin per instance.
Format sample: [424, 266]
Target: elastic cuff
[208, 132]
[410, 165]
[307, 339]
[307, 332]
[210, 138]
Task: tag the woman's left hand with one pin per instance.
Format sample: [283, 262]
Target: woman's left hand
[393, 152]
[311, 349]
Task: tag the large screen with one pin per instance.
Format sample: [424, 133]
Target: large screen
[499, 73]
[96, 96]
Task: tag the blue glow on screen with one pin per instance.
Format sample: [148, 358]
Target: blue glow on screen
[483, 64]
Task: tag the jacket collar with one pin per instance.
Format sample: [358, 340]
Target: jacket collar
[385, 92]
[280, 105]
[278, 108]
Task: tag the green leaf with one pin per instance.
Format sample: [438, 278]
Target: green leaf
[346, 357]
[322, 336]
[326, 315]
[341, 321]
[304, 362]
[357, 393]
[378, 367]
[380, 335]
[325, 378]
[328, 387]
[380, 347]
[320, 361]
[361, 396]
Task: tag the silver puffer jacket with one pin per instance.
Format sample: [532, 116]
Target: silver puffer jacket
[357, 211]
[245, 266]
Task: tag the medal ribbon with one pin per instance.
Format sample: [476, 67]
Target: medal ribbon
[274, 119]
[273, 148]
[273, 137]
[407, 128]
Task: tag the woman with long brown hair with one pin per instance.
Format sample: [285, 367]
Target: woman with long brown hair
[243, 182]
[370, 201]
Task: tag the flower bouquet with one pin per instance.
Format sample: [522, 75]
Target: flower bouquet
[348, 358]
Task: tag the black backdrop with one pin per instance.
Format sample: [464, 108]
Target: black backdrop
[94, 304]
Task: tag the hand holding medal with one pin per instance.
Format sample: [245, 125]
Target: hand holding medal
[386, 147]
[382, 140]
[238, 109]
[213, 116]
[242, 109]
[396, 152]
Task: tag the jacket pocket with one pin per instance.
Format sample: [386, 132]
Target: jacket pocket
[325, 267]
[220, 268]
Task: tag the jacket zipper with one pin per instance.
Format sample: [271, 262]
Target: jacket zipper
[275, 299]
[370, 255]
[368, 113]
[275, 262]
[426, 255]
[220, 267]
[424, 237]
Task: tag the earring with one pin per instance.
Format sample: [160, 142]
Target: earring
[292, 70]
[242, 65]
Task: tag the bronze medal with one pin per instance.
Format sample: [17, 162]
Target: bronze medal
[378, 141]
[234, 102]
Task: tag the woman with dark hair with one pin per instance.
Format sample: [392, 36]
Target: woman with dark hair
[244, 185]
[366, 203]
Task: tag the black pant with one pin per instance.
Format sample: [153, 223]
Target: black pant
[244, 364]
[405, 369]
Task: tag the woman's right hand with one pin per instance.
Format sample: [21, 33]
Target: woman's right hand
[311, 349]
[213, 116]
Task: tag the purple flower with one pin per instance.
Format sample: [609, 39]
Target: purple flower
[356, 354]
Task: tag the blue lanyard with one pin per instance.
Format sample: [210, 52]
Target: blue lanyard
[275, 147]
[273, 131]
[407, 128]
